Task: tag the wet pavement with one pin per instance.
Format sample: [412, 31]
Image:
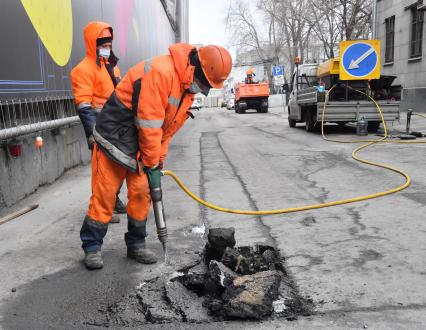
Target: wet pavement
[363, 265]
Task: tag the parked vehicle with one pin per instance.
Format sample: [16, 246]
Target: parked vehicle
[230, 104]
[307, 95]
[251, 96]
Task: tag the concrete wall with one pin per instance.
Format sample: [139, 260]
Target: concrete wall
[411, 73]
[22, 176]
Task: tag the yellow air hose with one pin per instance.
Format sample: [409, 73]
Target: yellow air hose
[418, 114]
[322, 205]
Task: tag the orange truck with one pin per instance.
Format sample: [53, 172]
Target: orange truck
[251, 96]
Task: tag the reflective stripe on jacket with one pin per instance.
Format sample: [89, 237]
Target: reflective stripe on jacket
[91, 82]
[147, 108]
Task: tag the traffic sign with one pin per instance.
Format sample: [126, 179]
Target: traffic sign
[278, 80]
[278, 70]
[360, 59]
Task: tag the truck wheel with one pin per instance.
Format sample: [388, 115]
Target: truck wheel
[264, 106]
[310, 121]
[242, 107]
[291, 122]
[373, 126]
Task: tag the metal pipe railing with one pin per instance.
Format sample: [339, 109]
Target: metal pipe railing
[13, 132]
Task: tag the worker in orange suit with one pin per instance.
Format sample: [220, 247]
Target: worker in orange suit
[132, 135]
[93, 81]
[249, 76]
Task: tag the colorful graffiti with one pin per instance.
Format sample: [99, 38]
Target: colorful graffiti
[44, 16]
[124, 11]
[51, 40]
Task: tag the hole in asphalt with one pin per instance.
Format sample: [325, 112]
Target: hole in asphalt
[229, 282]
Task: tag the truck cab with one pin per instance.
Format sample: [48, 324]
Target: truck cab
[304, 77]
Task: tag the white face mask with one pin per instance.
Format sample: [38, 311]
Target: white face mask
[104, 52]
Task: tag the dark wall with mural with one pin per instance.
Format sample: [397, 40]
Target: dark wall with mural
[42, 40]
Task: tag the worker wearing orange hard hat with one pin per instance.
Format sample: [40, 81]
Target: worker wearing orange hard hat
[132, 134]
[249, 76]
[93, 80]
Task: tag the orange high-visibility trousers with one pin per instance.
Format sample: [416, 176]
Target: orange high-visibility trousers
[107, 177]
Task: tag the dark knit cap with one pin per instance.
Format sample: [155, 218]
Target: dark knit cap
[101, 41]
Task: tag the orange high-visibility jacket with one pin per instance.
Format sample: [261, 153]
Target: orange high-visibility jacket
[91, 83]
[148, 107]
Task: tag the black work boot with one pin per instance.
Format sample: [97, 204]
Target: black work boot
[93, 260]
[120, 208]
[142, 255]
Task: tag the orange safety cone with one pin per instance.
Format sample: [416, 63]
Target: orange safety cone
[38, 142]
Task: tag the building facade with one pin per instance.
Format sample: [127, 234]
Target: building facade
[399, 24]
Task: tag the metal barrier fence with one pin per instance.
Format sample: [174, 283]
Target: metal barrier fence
[26, 116]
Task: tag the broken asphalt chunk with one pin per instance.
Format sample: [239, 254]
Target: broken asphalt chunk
[218, 240]
[251, 296]
[220, 274]
[187, 303]
[232, 259]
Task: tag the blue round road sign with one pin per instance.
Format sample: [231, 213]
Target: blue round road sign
[359, 59]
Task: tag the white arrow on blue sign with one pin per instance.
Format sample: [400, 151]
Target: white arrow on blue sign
[278, 70]
[360, 59]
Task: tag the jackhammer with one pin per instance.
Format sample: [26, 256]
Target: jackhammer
[154, 181]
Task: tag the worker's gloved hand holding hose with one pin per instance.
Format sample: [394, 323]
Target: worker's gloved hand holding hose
[154, 181]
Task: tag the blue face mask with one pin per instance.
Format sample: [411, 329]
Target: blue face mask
[104, 52]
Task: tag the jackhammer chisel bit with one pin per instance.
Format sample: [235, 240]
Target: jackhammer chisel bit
[160, 219]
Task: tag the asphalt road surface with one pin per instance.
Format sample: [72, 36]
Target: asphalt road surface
[362, 264]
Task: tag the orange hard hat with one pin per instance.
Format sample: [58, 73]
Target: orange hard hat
[216, 63]
[105, 33]
[249, 71]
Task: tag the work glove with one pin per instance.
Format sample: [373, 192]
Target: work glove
[154, 176]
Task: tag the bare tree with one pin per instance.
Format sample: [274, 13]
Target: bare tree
[277, 31]
[292, 14]
[326, 24]
[257, 29]
[355, 16]
[338, 20]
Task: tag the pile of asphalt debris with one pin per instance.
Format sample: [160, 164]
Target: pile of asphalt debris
[245, 282]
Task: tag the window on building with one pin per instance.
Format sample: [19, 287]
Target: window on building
[390, 37]
[416, 32]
